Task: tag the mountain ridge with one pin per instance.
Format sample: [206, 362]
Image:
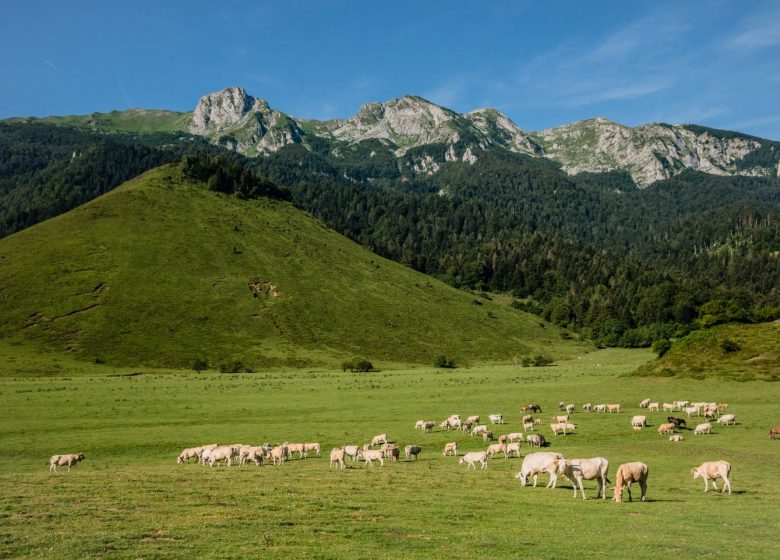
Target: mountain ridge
[238, 121]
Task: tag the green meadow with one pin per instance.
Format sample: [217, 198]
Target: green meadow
[129, 498]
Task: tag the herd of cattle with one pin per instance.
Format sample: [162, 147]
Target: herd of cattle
[552, 463]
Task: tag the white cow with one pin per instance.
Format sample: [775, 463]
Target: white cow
[372, 455]
[474, 457]
[535, 463]
[639, 422]
[711, 470]
[727, 419]
[496, 418]
[578, 470]
[705, 428]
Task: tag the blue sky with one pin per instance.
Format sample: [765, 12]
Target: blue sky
[544, 64]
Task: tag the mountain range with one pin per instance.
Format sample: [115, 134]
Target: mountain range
[422, 136]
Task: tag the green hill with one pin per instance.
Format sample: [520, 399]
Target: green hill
[737, 351]
[130, 120]
[162, 271]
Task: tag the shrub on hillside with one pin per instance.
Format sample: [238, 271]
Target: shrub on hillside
[662, 346]
[200, 365]
[442, 361]
[728, 346]
[537, 361]
[357, 365]
[234, 366]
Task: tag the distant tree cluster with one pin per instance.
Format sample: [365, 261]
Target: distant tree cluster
[226, 175]
[537, 361]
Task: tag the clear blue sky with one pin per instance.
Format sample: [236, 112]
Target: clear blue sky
[542, 63]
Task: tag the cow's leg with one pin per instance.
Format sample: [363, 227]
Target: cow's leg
[582, 490]
[643, 486]
[714, 484]
[628, 487]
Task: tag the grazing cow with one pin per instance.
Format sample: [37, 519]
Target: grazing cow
[711, 470]
[578, 470]
[70, 460]
[351, 451]
[570, 408]
[626, 475]
[669, 407]
[412, 451]
[512, 448]
[676, 437]
[370, 455]
[535, 440]
[559, 427]
[496, 418]
[667, 428]
[691, 410]
[710, 413]
[427, 427]
[723, 407]
[613, 408]
[678, 422]
[224, 453]
[294, 448]
[680, 404]
[561, 405]
[705, 428]
[337, 457]
[645, 403]
[514, 436]
[419, 424]
[382, 438]
[587, 407]
[474, 457]
[473, 419]
[311, 448]
[774, 432]
[653, 406]
[535, 463]
[279, 454]
[487, 436]
[451, 449]
[639, 422]
[528, 418]
[537, 421]
[727, 419]
[533, 407]
[600, 408]
[481, 429]
[187, 454]
[559, 419]
[495, 449]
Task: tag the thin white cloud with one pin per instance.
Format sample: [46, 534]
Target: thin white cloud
[619, 93]
[758, 37]
[56, 69]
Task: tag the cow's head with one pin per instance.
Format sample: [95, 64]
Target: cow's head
[521, 476]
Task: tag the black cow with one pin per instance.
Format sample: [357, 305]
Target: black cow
[678, 422]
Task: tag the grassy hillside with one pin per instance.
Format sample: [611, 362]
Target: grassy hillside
[158, 272]
[740, 352]
[129, 498]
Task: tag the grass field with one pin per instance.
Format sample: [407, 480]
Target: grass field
[129, 498]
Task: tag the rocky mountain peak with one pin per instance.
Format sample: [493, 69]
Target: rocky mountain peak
[222, 109]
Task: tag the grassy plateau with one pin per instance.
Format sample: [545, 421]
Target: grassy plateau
[129, 498]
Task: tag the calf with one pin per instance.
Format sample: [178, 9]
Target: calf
[451, 449]
[626, 475]
[667, 428]
[676, 437]
[710, 471]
